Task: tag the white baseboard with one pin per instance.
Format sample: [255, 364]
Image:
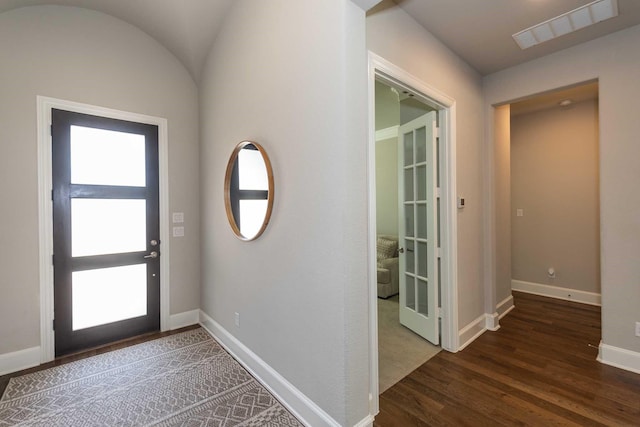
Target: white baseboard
[557, 292]
[505, 306]
[486, 322]
[19, 360]
[619, 358]
[366, 422]
[186, 318]
[293, 399]
[472, 331]
[492, 321]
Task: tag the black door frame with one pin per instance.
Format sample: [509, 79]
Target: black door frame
[69, 341]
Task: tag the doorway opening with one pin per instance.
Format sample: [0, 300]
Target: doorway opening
[555, 201]
[412, 217]
[406, 212]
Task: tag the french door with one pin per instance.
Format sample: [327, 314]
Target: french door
[106, 234]
[418, 226]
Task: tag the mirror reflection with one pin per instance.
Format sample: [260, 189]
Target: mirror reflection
[249, 190]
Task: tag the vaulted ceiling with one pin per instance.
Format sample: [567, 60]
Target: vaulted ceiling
[187, 28]
[478, 31]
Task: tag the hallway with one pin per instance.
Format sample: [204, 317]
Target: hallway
[539, 369]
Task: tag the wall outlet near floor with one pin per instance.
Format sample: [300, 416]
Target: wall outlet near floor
[638, 329]
[237, 319]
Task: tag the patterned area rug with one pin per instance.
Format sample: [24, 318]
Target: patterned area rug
[185, 379]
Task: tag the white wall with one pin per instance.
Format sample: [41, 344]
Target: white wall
[88, 57]
[293, 78]
[398, 38]
[615, 61]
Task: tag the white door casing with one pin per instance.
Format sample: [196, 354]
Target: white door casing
[390, 74]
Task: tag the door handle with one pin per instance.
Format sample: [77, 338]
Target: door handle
[153, 254]
[401, 250]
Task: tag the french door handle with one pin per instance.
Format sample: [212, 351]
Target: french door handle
[401, 250]
[153, 254]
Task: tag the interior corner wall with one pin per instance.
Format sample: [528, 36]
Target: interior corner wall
[614, 60]
[554, 176]
[398, 38]
[88, 57]
[502, 196]
[298, 87]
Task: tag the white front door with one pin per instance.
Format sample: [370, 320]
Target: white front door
[418, 222]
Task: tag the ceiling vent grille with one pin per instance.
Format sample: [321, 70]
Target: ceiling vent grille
[566, 23]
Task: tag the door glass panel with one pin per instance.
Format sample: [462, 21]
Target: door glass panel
[107, 226]
[408, 184]
[421, 145]
[423, 298]
[422, 220]
[252, 215]
[422, 259]
[421, 182]
[408, 220]
[252, 171]
[107, 157]
[410, 257]
[410, 294]
[108, 295]
[408, 148]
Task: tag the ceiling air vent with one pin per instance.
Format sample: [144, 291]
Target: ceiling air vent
[566, 23]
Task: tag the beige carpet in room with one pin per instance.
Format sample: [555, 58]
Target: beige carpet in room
[400, 351]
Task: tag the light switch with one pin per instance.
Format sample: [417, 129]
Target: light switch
[178, 231]
[178, 217]
[519, 212]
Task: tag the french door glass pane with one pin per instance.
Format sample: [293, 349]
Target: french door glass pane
[410, 294]
[421, 145]
[252, 171]
[107, 226]
[408, 219]
[423, 297]
[422, 220]
[252, 214]
[410, 266]
[108, 295]
[423, 256]
[408, 184]
[107, 157]
[421, 182]
[408, 148]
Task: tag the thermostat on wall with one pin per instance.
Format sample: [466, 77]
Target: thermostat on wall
[460, 202]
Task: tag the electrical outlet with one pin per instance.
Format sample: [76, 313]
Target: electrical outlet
[237, 319]
[638, 329]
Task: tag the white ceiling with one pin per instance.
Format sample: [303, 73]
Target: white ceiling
[480, 30]
[477, 30]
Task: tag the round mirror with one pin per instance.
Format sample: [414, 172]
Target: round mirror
[248, 190]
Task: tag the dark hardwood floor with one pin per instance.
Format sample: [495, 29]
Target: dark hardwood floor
[538, 369]
[4, 379]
